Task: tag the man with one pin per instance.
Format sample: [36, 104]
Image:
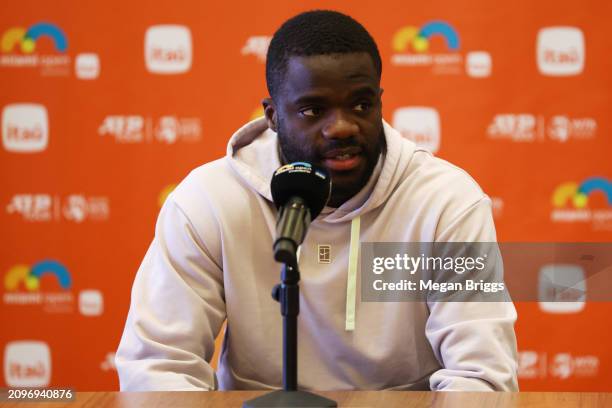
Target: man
[211, 258]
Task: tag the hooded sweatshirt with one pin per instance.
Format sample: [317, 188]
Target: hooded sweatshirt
[211, 260]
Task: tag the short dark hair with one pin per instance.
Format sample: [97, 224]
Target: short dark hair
[317, 32]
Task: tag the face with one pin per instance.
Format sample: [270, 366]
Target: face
[328, 112]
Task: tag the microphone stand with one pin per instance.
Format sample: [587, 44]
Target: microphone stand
[288, 294]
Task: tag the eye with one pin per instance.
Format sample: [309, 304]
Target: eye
[363, 106]
[311, 112]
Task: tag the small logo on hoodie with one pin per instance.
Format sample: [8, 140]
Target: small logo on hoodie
[324, 251]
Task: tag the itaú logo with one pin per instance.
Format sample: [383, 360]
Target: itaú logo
[25, 128]
[27, 363]
[168, 49]
[560, 51]
[419, 124]
[562, 288]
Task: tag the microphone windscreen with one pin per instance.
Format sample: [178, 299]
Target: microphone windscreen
[301, 179]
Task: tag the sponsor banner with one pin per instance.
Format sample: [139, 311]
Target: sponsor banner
[77, 208]
[168, 49]
[25, 128]
[517, 97]
[27, 286]
[411, 47]
[527, 127]
[419, 124]
[28, 47]
[560, 51]
[562, 365]
[22, 284]
[257, 45]
[571, 202]
[27, 363]
[19, 49]
[126, 129]
[87, 66]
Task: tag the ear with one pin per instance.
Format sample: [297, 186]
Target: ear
[270, 112]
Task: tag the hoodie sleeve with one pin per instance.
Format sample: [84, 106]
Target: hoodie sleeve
[474, 341]
[176, 311]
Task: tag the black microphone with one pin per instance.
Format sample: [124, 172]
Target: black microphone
[300, 191]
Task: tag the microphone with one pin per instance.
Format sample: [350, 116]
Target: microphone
[300, 191]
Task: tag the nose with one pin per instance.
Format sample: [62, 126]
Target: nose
[339, 126]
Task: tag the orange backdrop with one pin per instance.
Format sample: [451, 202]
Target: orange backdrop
[107, 105]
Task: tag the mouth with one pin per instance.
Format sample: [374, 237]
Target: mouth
[344, 159]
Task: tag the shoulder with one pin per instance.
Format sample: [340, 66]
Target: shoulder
[431, 175]
[215, 196]
[420, 174]
[208, 185]
[199, 198]
[446, 198]
[195, 188]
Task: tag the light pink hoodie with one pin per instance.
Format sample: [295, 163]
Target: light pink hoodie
[211, 260]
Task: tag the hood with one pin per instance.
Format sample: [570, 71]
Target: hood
[252, 153]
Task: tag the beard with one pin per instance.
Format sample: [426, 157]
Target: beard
[343, 186]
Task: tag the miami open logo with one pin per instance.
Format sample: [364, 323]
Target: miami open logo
[26, 38]
[414, 46]
[44, 45]
[23, 286]
[572, 202]
[418, 38]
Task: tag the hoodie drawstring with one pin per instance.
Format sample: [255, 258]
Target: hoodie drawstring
[351, 279]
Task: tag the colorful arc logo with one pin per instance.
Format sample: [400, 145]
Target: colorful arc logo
[31, 276]
[27, 38]
[579, 193]
[418, 38]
